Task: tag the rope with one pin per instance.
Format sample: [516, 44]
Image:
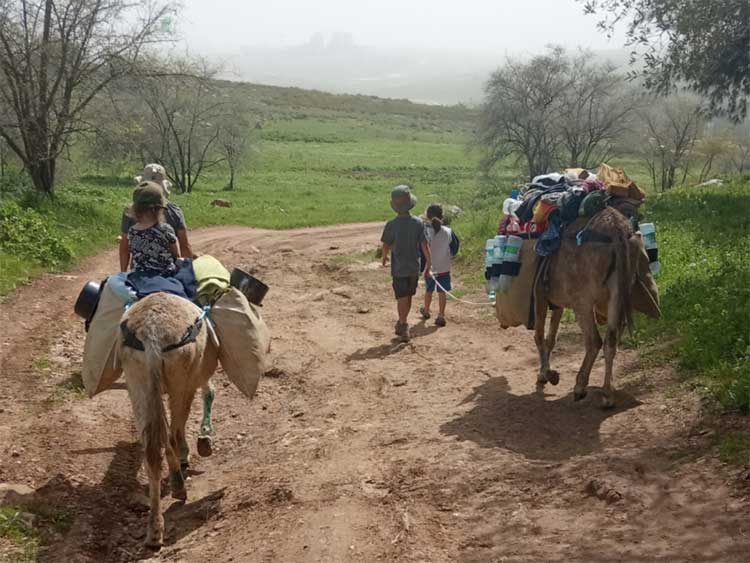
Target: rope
[491, 304]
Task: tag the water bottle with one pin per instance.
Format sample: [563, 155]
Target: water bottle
[648, 230]
[511, 262]
[497, 260]
[489, 252]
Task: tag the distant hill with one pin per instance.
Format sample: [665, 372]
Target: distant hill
[340, 66]
[267, 102]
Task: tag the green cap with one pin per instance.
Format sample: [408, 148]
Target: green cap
[402, 200]
[149, 194]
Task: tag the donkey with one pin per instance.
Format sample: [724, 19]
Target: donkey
[594, 273]
[165, 347]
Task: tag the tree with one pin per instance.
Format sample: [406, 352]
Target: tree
[740, 156]
[672, 127]
[234, 145]
[3, 158]
[597, 108]
[56, 56]
[182, 125]
[522, 102]
[554, 110]
[117, 139]
[701, 44]
[710, 150]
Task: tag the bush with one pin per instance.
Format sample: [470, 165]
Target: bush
[24, 234]
[704, 237]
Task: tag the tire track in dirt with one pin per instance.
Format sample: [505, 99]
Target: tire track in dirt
[360, 449]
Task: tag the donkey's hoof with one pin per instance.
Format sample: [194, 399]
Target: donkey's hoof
[608, 402]
[579, 395]
[154, 539]
[153, 543]
[205, 448]
[179, 494]
[553, 377]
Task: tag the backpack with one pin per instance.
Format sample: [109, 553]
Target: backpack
[455, 244]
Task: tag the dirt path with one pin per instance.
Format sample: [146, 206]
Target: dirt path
[359, 449]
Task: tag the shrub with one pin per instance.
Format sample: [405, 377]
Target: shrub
[24, 233]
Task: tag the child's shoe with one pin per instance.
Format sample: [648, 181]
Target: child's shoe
[425, 314]
[402, 330]
[440, 320]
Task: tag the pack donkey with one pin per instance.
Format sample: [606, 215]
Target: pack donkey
[600, 266]
[165, 347]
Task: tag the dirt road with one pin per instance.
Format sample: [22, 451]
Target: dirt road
[360, 449]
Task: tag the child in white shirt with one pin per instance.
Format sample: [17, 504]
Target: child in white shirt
[439, 237]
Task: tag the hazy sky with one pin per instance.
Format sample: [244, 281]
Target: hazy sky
[461, 25]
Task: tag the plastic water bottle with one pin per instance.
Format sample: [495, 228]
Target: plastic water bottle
[489, 249]
[648, 230]
[511, 262]
[497, 260]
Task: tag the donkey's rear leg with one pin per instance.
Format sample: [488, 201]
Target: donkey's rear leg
[205, 439]
[540, 319]
[554, 325]
[593, 343]
[179, 405]
[610, 346]
[544, 346]
[155, 529]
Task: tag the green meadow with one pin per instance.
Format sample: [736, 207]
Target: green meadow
[321, 159]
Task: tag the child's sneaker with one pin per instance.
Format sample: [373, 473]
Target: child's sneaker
[425, 314]
[440, 320]
[402, 330]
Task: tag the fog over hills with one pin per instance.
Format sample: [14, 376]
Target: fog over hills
[336, 63]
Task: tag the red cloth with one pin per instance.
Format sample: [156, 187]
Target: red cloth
[511, 225]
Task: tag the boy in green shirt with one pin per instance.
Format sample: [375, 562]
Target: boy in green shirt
[402, 237]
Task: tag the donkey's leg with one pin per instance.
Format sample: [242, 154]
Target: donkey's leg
[554, 324]
[204, 438]
[540, 319]
[138, 393]
[610, 345]
[155, 530]
[610, 349]
[179, 406]
[593, 343]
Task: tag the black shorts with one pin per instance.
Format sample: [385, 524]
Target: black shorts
[406, 286]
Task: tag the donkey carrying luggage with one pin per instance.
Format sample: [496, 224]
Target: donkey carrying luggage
[601, 271]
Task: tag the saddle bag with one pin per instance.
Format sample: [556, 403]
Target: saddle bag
[244, 340]
[101, 367]
[512, 307]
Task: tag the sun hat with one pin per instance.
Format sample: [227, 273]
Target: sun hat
[402, 200]
[149, 194]
[155, 173]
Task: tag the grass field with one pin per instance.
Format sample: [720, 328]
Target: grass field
[323, 159]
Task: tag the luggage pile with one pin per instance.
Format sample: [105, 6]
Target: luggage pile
[551, 201]
[534, 218]
[231, 301]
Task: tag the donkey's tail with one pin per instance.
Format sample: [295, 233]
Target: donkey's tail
[155, 430]
[624, 273]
